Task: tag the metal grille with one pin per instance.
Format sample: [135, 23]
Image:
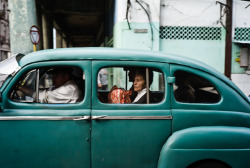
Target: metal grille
[190, 33]
[242, 34]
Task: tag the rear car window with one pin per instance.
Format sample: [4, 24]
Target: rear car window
[191, 88]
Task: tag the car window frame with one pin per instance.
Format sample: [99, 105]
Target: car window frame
[84, 104]
[99, 64]
[23, 78]
[207, 76]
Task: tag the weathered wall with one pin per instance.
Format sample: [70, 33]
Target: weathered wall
[137, 24]
[190, 28]
[22, 16]
[193, 29]
[4, 31]
[241, 41]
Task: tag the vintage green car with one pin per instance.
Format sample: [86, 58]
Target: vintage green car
[192, 117]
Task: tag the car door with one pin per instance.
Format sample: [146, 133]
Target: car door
[128, 135]
[201, 99]
[45, 135]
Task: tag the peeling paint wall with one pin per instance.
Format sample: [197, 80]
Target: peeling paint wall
[22, 16]
[194, 29]
[137, 24]
[191, 13]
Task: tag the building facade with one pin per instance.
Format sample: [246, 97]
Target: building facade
[4, 30]
[210, 31]
[214, 32]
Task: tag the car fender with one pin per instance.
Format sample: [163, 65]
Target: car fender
[223, 143]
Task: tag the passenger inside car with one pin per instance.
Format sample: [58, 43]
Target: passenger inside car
[131, 77]
[121, 83]
[140, 86]
[56, 85]
[191, 88]
[65, 89]
[184, 92]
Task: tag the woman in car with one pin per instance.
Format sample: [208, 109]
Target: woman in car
[140, 86]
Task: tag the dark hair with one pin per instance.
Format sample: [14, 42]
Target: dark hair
[142, 72]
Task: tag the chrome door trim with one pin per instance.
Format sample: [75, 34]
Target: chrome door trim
[98, 117]
[53, 118]
[76, 118]
[131, 117]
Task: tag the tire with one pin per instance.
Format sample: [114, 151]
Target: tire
[209, 164]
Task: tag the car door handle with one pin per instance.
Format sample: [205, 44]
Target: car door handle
[98, 117]
[82, 118]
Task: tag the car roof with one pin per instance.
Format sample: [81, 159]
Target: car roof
[104, 53]
[101, 53]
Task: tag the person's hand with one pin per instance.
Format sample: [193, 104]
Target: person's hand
[25, 90]
[99, 85]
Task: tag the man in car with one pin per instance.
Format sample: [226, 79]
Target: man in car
[65, 89]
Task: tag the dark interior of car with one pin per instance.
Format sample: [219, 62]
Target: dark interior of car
[192, 88]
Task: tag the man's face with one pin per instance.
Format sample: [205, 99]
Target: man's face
[60, 79]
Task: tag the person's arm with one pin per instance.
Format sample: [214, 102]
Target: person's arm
[26, 91]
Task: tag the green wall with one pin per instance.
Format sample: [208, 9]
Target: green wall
[208, 50]
[128, 38]
[212, 52]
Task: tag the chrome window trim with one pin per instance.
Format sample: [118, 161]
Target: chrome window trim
[75, 118]
[53, 118]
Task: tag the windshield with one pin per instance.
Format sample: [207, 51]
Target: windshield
[9, 67]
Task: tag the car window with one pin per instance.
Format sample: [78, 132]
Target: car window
[191, 88]
[129, 85]
[50, 85]
[27, 81]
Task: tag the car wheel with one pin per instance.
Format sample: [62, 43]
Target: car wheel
[209, 164]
